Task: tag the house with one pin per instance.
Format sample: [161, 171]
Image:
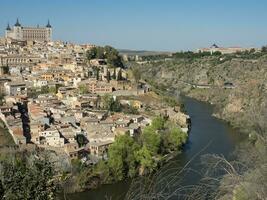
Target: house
[36, 128]
[87, 101]
[99, 148]
[16, 88]
[68, 133]
[63, 92]
[40, 83]
[72, 149]
[37, 113]
[6, 110]
[51, 137]
[176, 117]
[99, 87]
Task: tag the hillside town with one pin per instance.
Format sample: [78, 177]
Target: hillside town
[56, 97]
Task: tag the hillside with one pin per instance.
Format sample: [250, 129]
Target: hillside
[236, 85]
[245, 80]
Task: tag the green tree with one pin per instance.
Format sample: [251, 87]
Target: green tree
[136, 74]
[81, 139]
[103, 171]
[6, 69]
[113, 57]
[83, 89]
[108, 76]
[28, 180]
[44, 89]
[151, 139]
[114, 74]
[158, 123]
[264, 49]
[107, 100]
[115, 106]
[100, 53]
[176, 138]
[119, 76]
[144, 157]
[97, 74]
[1, 98]
[91, 54]
[52, 90]
[121, 158]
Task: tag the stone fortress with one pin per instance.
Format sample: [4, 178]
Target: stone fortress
[19, 32]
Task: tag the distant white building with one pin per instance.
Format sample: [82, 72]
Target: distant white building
[19, 32]
[224, 50]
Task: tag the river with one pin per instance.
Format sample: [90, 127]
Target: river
[207, 135]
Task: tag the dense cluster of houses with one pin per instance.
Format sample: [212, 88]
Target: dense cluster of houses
[55, 100]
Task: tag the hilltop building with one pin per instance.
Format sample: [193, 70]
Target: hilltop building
[19, 32]
[223, 50]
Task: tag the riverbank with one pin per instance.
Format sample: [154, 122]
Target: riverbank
[207, 135]
[130, 157]
[139, 154]
[242, 105]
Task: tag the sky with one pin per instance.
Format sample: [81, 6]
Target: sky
[161, 25]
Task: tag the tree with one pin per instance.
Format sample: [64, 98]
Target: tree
[176, 138]
[115, 106]
[151, 139]
[91, 54]
[44, 89]
[83, 89]
[25, 179]
[107, 52]
[121, 158]
[136, 74]
[264, 49]
[112, 56]
[100, 53]
[52, 90]
[103, 171]
[81, 139]
[107, 100]
[144, 157]
[6, 69]
[114, 73]
[97, 74]
[108, 76]
[158, 123]
[1, 98]
[119, 76]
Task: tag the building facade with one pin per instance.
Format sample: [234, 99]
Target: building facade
[19, 32]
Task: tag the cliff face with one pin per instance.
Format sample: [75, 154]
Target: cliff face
[237, 86]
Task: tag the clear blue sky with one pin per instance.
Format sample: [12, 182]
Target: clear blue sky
[146, 24]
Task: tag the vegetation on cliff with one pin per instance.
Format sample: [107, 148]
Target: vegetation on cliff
[236, 85]
[24, 176]
[129, 157]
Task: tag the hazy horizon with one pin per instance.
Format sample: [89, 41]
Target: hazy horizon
[145, 25]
